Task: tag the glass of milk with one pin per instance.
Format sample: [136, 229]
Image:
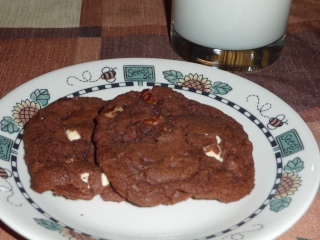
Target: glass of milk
[234, 35]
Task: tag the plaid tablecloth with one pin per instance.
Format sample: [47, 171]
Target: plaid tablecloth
[38, 36]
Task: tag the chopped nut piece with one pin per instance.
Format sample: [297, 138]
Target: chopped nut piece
[70, 160]
[213, 151]
[147, 96]
[153, 120]
[73, 135]
[113, 111]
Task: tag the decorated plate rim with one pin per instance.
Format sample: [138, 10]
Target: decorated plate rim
[142, 73]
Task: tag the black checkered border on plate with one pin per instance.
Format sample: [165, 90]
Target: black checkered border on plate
[251, 117]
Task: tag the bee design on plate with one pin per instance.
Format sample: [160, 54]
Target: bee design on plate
[6, 187]
[274, 122]
[278, 121]
[108, 74]
[5, 173]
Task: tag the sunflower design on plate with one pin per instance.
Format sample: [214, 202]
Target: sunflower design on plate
[289, 183]
[73, 235]
[25, 110]
[196, 81]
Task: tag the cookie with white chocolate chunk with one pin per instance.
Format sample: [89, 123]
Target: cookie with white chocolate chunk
[158, 147]
[59, 151]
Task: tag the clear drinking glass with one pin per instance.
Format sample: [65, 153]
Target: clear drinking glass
[233, 35]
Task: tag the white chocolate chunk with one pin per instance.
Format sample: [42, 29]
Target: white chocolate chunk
[73, 135]
[211, 151]
[104, 180]
[85, 178]
[218, 139]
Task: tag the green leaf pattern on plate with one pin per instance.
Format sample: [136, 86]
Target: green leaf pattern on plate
[41, 96]
[8, 125]
[48, 224]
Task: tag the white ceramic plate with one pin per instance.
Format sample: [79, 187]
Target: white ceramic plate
[286, 159]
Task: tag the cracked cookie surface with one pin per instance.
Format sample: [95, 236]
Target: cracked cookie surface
[59, 151]
[158, 147]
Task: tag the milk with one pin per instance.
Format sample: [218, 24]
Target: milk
[231, 24]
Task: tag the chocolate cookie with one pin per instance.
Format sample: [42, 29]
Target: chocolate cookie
[158, 147]
[59, 151]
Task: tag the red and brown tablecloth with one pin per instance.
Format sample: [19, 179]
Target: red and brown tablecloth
[38, 36]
